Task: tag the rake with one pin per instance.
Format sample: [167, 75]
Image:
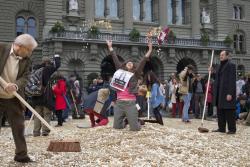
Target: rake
[55, 145]
[201, 129]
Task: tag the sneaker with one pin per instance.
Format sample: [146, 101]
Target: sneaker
[23, 160]
[186, 121]
[58, 125]
[103, 122]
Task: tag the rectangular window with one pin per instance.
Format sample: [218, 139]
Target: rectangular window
[235, 42]
[237, 12]
[113, 8]
[136, 10]
[240, 13]
[99, 8]
[179, 12]
[176, 11]
[147, 6]
[241, 39]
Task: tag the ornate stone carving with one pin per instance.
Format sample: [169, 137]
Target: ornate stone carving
[205, 17]
[73, 5]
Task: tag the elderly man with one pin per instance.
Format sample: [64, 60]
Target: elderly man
[14, 69]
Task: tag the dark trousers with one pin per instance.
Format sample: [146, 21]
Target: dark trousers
[15, 116]
[176, 105]
[157, 114]
[198, 103]
[142, 102]
[59, 117]
[226, 116]
[3, 119]
[210, 109]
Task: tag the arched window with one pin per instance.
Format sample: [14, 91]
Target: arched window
[31, 26]
[20, 26]
[99, 8]
[113, 8]
[147, 10]
[26, 24]
[239, 42]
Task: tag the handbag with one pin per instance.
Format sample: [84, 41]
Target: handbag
[183, 90]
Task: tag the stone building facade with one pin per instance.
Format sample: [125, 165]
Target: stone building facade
[188, 19]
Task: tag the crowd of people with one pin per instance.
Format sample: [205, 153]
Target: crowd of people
[128, 94]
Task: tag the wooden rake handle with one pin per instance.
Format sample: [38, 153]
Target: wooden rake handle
[208, 82]
[74, 101]
[4, 84]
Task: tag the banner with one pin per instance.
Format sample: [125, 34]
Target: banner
[121, 79]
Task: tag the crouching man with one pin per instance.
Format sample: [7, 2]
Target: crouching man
[95, 104]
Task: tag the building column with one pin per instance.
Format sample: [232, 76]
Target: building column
[128, 15]
[205, 57]
[163, 12]
[171, 55]
[53, 11]
[174, 11]
[195, 15]
[58, 47]
[141, 2]
[106, 8]
[90, 10]
[187, 12]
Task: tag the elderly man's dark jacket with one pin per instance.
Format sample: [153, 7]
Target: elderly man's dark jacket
[225, 84]
[23, 71]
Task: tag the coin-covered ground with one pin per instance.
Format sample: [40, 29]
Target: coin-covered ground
[174, 144]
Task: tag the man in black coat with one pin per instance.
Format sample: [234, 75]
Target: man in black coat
[225, 94]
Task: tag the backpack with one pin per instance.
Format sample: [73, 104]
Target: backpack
[34, 86]
[49, 97]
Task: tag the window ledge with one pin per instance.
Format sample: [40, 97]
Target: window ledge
[188, 26]
[111, 19]
[146, 23]
[239, 20]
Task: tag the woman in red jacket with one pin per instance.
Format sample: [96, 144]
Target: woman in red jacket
[59, 90]
[210, 99]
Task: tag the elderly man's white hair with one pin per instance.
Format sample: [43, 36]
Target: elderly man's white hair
[26, 40]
